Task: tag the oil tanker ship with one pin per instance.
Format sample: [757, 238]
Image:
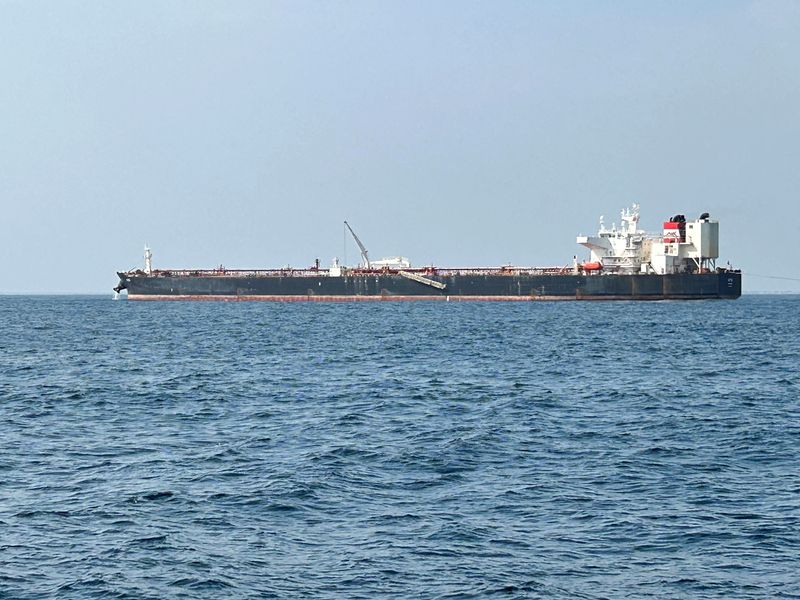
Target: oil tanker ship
[625, 263]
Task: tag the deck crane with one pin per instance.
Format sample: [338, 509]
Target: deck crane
[364, 253]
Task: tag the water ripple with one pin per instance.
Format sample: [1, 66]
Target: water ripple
[419, 450]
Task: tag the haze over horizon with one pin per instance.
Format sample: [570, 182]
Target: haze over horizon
[454, 133]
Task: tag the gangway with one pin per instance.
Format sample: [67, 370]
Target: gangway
[423, 280]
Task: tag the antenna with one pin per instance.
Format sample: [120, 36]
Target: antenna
[364, 253]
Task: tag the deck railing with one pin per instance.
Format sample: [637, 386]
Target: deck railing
[357, 272]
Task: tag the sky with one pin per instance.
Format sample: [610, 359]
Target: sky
[456, 133]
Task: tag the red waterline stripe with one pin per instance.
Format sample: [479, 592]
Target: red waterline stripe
[280, 298]
[276, 298]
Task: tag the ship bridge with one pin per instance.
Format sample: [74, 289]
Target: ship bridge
[682, 247]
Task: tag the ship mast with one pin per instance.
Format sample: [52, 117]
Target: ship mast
[364, 253]
[148, 260]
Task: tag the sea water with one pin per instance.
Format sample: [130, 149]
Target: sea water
[425, 450]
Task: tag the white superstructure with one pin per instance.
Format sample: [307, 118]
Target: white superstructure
[682, 247]
[394, 262]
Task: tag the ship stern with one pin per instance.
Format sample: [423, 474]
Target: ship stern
[730, 284]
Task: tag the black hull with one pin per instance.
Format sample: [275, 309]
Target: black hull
[355, 287]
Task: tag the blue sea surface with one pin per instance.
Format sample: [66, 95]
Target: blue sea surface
[422, 450]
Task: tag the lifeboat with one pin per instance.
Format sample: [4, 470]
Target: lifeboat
[592, 266]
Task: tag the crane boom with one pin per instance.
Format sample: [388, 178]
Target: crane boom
[364, 253]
